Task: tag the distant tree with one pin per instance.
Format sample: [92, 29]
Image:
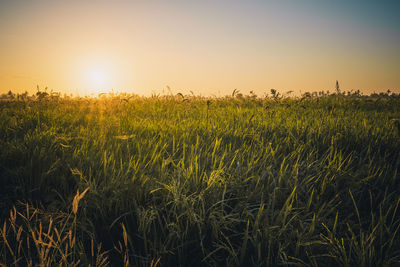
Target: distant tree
[10, 95]
[357, 93]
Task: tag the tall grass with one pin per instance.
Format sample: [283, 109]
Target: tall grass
[177, 181]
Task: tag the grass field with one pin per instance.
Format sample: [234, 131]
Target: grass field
[193, 181]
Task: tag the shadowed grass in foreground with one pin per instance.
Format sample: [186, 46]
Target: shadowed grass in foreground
[200, 181]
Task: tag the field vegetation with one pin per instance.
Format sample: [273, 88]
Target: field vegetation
[183, 180]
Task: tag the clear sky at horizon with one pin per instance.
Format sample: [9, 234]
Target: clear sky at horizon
[208, 47]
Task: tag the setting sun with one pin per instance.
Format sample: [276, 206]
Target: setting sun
[96, 76]
[98, 80]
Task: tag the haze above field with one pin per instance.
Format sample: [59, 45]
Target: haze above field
[208, 47]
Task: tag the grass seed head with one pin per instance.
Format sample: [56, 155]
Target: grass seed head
[77, 198]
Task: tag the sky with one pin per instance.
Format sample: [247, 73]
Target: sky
[209, 47]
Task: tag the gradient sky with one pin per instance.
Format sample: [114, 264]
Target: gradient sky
[209, 47]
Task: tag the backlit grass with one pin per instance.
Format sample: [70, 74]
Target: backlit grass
[183, 180]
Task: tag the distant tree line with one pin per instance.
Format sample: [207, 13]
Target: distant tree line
[274, 94]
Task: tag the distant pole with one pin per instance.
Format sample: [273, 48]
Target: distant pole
[337, 87]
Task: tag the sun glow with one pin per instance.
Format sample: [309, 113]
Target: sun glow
[98, 79]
